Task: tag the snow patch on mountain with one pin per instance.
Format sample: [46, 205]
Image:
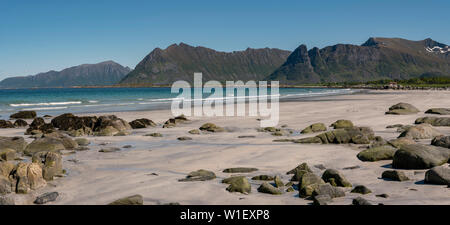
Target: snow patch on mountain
[437, 49]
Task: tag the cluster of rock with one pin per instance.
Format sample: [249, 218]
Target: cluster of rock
[91, 125]
[332, 184]
[345, 132]
[25, 176]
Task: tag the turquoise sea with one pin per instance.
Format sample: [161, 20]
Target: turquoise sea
[55, 101]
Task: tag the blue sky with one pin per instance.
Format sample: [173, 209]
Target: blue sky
[38, 36]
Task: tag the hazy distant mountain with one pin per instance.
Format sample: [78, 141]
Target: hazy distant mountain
[377, 58]
[104, 73]
[179, 62]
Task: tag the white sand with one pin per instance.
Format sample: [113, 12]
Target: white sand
[99, 178]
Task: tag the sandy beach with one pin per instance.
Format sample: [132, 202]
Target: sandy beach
[153, 165]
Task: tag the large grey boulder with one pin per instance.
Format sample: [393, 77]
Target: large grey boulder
[44, 144]
[417, 156]
[402, 109]
[384, 152]
[16, 143]
[421, 131]
[438, 175]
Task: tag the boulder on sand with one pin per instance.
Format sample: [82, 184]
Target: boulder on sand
[20, 123]
[23, 115]
[402, 109]
[316, 127]
[441, 111]
[239, 184]
[51, 163]
[438, 175]
[321, 200]
[419, 156]
[210, 127]
[199, 175]
[302, 166]
[361, 189]
[328, 189]
[335, 178]
[399, 142]
[142, 123]
[385, 152]
[441, 141]
[184, 138]
[309, 179]
[435, 121]
[421, 131]
[360, 201]
[342, 124]
[154, 135]
[46, 197]
[394, 175]
[194, 131]
[82, 141]
[6, 168]
[44, 144]
[130, 200]
[110, 126]
[28, 176]
[262, 177]
[269, 189]
[6, 124]
[7, 154]
[240, 170]
[172, 122]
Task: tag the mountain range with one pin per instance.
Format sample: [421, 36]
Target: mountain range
[100, 74]
[180, 61]
[375, 59]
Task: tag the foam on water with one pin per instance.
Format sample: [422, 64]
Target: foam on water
[97, 100]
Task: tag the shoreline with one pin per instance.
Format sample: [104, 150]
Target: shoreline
[153, 165]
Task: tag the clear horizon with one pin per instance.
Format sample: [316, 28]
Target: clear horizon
[41, 36]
